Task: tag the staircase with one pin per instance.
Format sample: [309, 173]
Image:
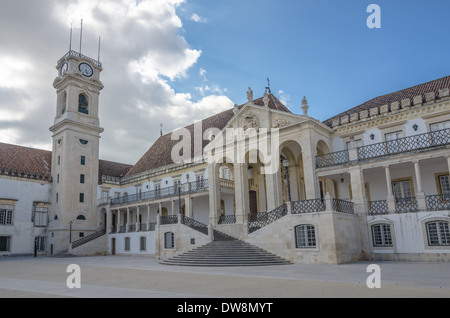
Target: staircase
[226, 251]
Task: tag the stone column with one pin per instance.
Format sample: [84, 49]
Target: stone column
[118, 220]
[148, 217]
[214, 193]
[138, 224]
[360, 208]
[448, 163]
[420, 196]
[390, 197]
[188, 206]
[309, 173]
[128, 221]
[241, 192]
[109, 224]
[274, 192]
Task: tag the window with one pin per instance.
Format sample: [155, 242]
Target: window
[439, 136]
[358, 144]
[59, 160]
[41, 216]
[5, 244]
[39, 243]
[127, 244]
[82, 177]
[444, 186]
[438, 233]
[57, 178]
[6, 214]
[200, 181]
[381, 235]
[157, 190]
[142, 243]
[83, 104]
[81, 218]
[63, 103]
[305, 236]
[402, 189]
[393, 145]
[81, 197]
[169, 240]
[83, 160]
[57, 197]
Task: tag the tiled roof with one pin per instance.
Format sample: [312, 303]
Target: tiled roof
[31, 162]
[113, 169]
[23, 160]
[408, 93]
[160, 154]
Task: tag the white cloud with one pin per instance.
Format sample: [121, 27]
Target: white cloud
[195, 17]
[141, 49]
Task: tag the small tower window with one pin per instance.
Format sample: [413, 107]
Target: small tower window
[83, 104]
[63, 103]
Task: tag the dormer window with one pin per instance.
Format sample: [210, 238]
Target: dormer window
[83, 104]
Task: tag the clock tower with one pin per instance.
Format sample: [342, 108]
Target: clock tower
[75, 157]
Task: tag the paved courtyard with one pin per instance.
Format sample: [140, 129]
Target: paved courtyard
[142, 277]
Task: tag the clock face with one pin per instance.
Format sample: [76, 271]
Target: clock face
[63, 69]
[86, 69]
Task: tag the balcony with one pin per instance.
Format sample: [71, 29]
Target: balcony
[436, 202]
[422, 142]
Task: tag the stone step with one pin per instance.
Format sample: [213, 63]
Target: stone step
[226, 253]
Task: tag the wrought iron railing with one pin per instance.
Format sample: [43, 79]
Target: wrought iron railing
[438, 202]
[259, 220]
[79, 55]
[342, 206]
[405, 205]
[332, 159]
[407, 144]
[227, 219]
[193, 187]
[122, 229]
[88, 238]
[193, 224]
[378, 207]
[132, 228]
[169, 219]
[308, 206]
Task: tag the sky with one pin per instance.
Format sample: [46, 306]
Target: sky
[174, 62]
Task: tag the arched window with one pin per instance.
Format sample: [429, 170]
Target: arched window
[63, 103]
[83, 105]
[438, 233]
[81, 218]
[305, 236]
[381, 235]
[169, 240]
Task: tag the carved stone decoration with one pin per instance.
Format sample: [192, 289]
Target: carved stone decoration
[305, 106]
[250, 95]
[279, 122]
[266, 100]
[236, 109]
[250, 123]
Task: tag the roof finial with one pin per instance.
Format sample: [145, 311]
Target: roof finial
[250, 95]
[161, 130]
[305, 106]
[268, 86]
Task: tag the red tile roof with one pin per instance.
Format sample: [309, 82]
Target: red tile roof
[408, 93]
[24, 160]
[31, 162]
[160, 154]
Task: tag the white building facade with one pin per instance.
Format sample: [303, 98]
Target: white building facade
[369, 184]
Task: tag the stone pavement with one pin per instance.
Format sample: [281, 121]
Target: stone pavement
[144, 277]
